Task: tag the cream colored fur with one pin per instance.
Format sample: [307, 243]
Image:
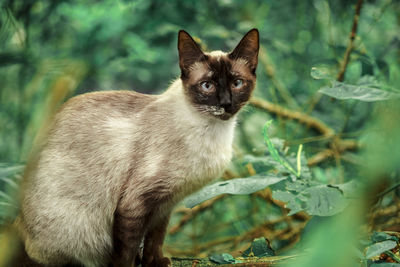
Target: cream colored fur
[93, 148]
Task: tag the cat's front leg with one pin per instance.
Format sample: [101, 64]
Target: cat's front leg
[153, 241]
[128, 232]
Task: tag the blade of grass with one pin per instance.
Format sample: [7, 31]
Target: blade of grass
[274, 153]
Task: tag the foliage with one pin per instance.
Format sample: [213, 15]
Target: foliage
[259, 248]
[329, 175]
[367, 88]
[381, 244]
[223, 258]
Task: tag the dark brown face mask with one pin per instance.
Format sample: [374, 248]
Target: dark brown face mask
[218, 83]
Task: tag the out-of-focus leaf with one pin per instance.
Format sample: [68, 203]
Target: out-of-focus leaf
[385, 264]
[321, 73]
[238, 186]
[12, 58]
[223, 258]
[260, 247]
[11, 170]
[369, 81]
[380, 247]
[361, 92]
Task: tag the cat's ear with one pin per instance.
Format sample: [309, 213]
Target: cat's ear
[189, 51]
[248, 49]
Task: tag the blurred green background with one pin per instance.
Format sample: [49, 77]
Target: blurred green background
[53, 50]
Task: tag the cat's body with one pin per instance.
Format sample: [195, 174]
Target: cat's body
[115, 163]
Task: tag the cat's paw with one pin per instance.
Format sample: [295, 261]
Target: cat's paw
[158, 262]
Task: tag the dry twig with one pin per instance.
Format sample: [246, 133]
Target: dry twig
[295, 115]
[346, 56]
[350, 46]
[190, 213]
[338, 145]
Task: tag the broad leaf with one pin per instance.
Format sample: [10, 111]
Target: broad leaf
[238, 186]
[260, 247]
[380, 247]
[292, 201]
[223, 258]
[362, 92]
[381, 236]
[321, 200]
[324, 201]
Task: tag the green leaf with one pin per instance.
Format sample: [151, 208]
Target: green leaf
[349, 189]
[223, 258]
[238, 186]
[380, 247]
[11, 170]
[362, 92]
[291, 200]
[324, 201]
[321, 73]
[385, 264]
[321, 200]
[260, 247]
[381, 236]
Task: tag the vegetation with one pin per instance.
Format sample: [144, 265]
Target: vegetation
[316, 166]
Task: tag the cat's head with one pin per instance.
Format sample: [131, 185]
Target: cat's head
[218, 84]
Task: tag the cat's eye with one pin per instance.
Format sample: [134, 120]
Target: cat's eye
[207, 86]
[238, 83]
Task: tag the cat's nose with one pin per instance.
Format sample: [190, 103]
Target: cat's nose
[227, 108]
[227, 105]
[225, 99]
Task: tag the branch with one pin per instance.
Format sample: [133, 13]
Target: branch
[346, 56]
[295, 115]
[341, 146]
[337, 145]
[190, 213]
[350, 46]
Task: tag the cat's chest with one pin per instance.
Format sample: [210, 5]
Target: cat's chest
[211, 149]
[208, 152]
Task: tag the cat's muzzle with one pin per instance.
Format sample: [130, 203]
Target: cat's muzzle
[219, 112]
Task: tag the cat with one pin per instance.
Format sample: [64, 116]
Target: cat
[115, 163]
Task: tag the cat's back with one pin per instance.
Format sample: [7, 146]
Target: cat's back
[98, 119]
[117, 103]
[89, 143]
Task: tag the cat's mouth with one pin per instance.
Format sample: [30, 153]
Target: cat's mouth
[219, 112]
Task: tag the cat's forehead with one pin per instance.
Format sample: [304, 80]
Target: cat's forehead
[216, 54]
[217, 63]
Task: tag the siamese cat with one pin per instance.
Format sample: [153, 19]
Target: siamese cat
[115, 163]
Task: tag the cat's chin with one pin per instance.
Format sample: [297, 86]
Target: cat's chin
[226, 116]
